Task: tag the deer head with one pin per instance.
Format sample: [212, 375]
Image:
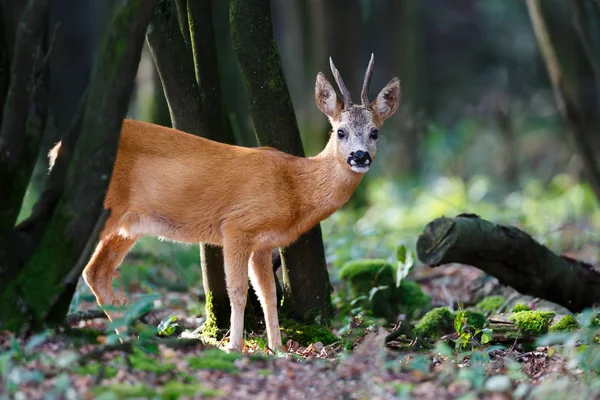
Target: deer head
[356, 127]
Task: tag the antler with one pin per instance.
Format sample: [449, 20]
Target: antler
[365, 89]
[340, 82]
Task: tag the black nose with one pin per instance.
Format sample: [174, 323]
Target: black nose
[361, 157]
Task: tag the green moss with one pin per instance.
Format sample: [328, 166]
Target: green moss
[211, 329]
[378, 269]
[435, 323]
[475, 319]
[307, 334]
[520, 307]
[567, 323]
[491, 304]
[389, 300]
[533, 322]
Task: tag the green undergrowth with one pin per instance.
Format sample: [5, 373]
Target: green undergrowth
[372, 282]
[306, 334]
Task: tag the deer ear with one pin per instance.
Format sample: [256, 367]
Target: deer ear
[387, 101]
[326, 98]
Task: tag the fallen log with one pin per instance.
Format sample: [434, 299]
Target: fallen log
[513, 257]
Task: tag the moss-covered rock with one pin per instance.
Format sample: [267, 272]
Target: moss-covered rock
[533, 322]
[490, 304]
[389, 300]
[521, 307]
[435, 323]
[306, 334]
[567, 323]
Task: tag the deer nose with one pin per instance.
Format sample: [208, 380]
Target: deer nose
[361, 157]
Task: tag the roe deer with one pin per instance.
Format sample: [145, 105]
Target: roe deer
[185, 188]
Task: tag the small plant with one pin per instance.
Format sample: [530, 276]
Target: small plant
[168, 326]
[470, 326]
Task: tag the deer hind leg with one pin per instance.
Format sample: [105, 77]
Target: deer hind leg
[263, 281]
[102, 268]
[236, 255]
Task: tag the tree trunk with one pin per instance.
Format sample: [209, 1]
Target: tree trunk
[306, 280]
[575, 89]
[24, 114]
[513, 257]
[33, 297]
[190, 78]
[4, 63]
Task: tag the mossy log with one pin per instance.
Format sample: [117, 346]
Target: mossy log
[513, 257]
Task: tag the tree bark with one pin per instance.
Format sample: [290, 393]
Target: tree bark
[306, 280]
[176, 70]
[190, 78]
[513, 257]
[24, 114]
[33, 298]
[4, 62]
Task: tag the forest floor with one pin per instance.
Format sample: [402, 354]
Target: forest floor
[57, 365]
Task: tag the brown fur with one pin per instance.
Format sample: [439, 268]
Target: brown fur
[186, 188]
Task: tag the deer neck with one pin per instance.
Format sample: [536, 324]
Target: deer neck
[326, 184]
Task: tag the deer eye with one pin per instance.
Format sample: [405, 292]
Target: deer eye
[375, 134]
[341, 134]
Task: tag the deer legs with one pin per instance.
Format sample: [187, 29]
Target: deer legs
[263, 281]
[236, 274]
[238, 261]
[101, 270]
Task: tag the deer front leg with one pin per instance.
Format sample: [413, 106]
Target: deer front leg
[263, 281]
[102, 268]
[236, 255]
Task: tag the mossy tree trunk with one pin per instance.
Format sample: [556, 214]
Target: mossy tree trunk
[24, 113]
[33, 296]
[306, 280]
[513, 257]
[182, 43]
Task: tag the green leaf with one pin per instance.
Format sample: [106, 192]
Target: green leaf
[406, 260]
[168, 326]
[35, 341]
[486, 335]
[143, 305]
[458, 321]
[401, 253]
[374, 290]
